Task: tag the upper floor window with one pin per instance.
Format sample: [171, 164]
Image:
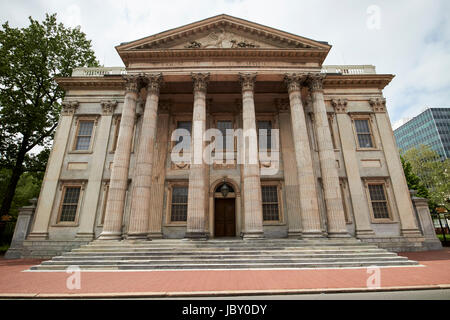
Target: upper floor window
[264, 134]
[364, 133]
[186, 136]
[225, 127]
[84, 135]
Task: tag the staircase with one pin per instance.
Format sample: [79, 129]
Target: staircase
[167, 254]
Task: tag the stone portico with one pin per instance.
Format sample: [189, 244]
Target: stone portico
[111, 175]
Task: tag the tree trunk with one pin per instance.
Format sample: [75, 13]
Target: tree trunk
[12, 185]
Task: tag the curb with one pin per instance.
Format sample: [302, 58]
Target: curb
[207, 294]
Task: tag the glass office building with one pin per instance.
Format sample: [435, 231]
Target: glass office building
[431, 128]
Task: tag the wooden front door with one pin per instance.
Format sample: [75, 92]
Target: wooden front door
[224, 218]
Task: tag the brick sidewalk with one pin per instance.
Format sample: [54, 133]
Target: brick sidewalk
[14, 282]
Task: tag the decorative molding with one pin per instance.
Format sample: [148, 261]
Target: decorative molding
[315, 81]
[294, 81]
[340, 105]
[153, 82]
[131, 83]
[69, 108]
[108, 107]
[378, 104]
[247, 81]
[200, 81]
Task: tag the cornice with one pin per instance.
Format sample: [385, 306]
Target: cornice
[379, 81]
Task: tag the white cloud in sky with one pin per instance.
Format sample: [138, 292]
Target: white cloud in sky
[412, 41]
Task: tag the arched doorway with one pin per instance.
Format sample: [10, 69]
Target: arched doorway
[225, 200]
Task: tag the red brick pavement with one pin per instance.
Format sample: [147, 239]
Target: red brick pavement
[13, 281]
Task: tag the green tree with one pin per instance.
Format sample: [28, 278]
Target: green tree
[30, 100]
[414, 182]
[432, 172]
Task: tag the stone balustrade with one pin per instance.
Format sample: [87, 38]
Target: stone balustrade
[349, 69]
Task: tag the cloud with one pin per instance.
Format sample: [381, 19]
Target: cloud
[412, 41]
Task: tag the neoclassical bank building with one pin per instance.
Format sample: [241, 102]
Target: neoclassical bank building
[226, 129]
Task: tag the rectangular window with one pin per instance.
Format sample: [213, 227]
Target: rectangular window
[264, 128]
[69, 205]
[187, 125]
[84, 135]
[364, 133]
[379, 202]
[225, 127]
[270, 203]
[179, 203]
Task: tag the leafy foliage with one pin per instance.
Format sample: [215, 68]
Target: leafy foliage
[433, 173]
[30, 59]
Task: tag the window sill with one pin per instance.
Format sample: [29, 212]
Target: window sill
[383, 222]
[81, 152]
[67, 224]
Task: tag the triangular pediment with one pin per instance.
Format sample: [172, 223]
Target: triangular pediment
[223, 32]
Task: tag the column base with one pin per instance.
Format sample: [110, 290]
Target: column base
[138, 236]
[295, 234]
[199, 236]
[312, 234]
[38, 236]
[155, 235]
[365, 233]
[110, 236]
[342, 234]
[253, 236]
[414, 233]
[85, 236]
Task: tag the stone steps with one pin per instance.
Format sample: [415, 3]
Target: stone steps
[224, 254]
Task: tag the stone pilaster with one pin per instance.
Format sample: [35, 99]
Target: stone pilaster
[159, 171]
[87, 213]
[112, 226]
[359, 199]
[53, 171]
[196, 215]
[305, 174]
[409, 227]
[251, 173]
[330, 177]
[142, 180]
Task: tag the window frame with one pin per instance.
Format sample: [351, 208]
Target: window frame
[173, 126]
[115, 138]
[63, 187]
[79, 119]
[216, 117]
[169, 191]
[385, 185]
[369, 120]
[279, 186]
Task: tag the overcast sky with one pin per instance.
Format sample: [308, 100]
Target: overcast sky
[409, 38]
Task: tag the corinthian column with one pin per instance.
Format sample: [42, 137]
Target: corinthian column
[251, 179]
[330, 177]
[307, 183]
[112, 226]
[142, 180]
[197, 176]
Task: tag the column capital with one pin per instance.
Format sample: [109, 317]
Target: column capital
[69, 107]
[247, 81]
[294, 81]
[340, 105]
[131, 83]
[108, 107]
[153, 82]
[315, 81]
[378, 105]
[200, 81]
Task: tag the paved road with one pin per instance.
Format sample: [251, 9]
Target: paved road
[391, 295]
